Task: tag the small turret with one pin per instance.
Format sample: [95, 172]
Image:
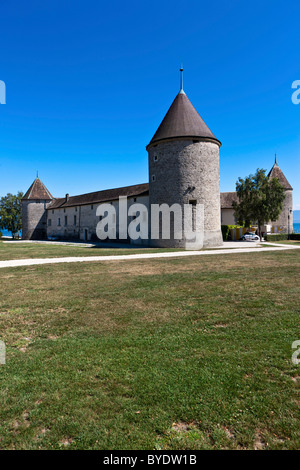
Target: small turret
[34, 214]
[285, 220]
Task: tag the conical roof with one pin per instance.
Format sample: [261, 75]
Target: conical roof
[37, 191]
[276, 172]
[182, 120]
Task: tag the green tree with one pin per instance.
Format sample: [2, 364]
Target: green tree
[10, 213]
[259, 199]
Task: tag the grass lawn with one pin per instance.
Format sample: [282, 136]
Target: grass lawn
[10, 251]
[287, 242]
[159, 354]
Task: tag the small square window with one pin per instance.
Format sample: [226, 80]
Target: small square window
[155, 158]
[153, 178]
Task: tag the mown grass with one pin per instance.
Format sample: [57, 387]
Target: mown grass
[10, 251]
[13, 251]
[163, 354]
[287, 242]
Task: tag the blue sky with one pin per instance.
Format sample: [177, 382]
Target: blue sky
[89, 82]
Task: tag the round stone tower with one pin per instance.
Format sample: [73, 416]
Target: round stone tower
[285, 219]
[34, 214]
[184, 168]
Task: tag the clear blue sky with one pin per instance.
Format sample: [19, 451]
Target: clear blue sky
[88, 83]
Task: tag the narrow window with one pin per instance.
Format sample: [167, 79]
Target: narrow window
[153, 178]
[193, 202]
[49, 222]
[155, 158]
[74, 219]
[66, 220]
[92, 207]
[58, 221]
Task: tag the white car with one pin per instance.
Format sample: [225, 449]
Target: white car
[249, 237]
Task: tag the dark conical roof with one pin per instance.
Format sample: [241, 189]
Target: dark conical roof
[182, 120]
[37, 191]
[276, 172]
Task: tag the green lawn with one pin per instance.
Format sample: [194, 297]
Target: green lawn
[12, 251]
[287, 242]
[21, 250]
[190, 353]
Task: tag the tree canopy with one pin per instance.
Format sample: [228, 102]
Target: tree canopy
[259, 199]
[10, 213]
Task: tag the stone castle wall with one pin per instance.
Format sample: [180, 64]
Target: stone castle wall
[285, 219]
[182, 171]
[80, 222]
[34, 219]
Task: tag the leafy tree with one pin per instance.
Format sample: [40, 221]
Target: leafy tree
[10, 213]
[260, 199]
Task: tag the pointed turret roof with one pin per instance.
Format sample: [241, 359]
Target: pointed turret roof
[37, 191]
[182, 120]
[276, 172]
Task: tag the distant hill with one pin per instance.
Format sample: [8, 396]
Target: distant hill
[296, 216]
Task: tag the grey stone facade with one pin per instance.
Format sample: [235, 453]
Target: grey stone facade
[34, 219]
[285, 220]
[79, 222]
[185, 171]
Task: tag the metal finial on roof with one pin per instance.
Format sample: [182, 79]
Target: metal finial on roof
[276, 159]
[37, 173]
[181, 79]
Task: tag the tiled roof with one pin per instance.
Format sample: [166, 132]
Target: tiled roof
[38, 191]
[276, 172]
[100, 196]
[227, 199]
[182, 120]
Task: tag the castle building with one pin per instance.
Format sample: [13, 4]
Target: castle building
[183, 158]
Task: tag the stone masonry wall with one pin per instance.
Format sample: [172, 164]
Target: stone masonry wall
[84, 226]
[34, 219]
[285, 219]
[182, 171]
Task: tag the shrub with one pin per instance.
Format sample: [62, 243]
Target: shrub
[0, 234]
[275, 237]
[225, 232]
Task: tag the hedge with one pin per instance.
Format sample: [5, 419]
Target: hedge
[275, 237]
[295, 236]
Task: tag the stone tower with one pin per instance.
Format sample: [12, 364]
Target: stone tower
[285, 219]
[34, 214]
[184, 167]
